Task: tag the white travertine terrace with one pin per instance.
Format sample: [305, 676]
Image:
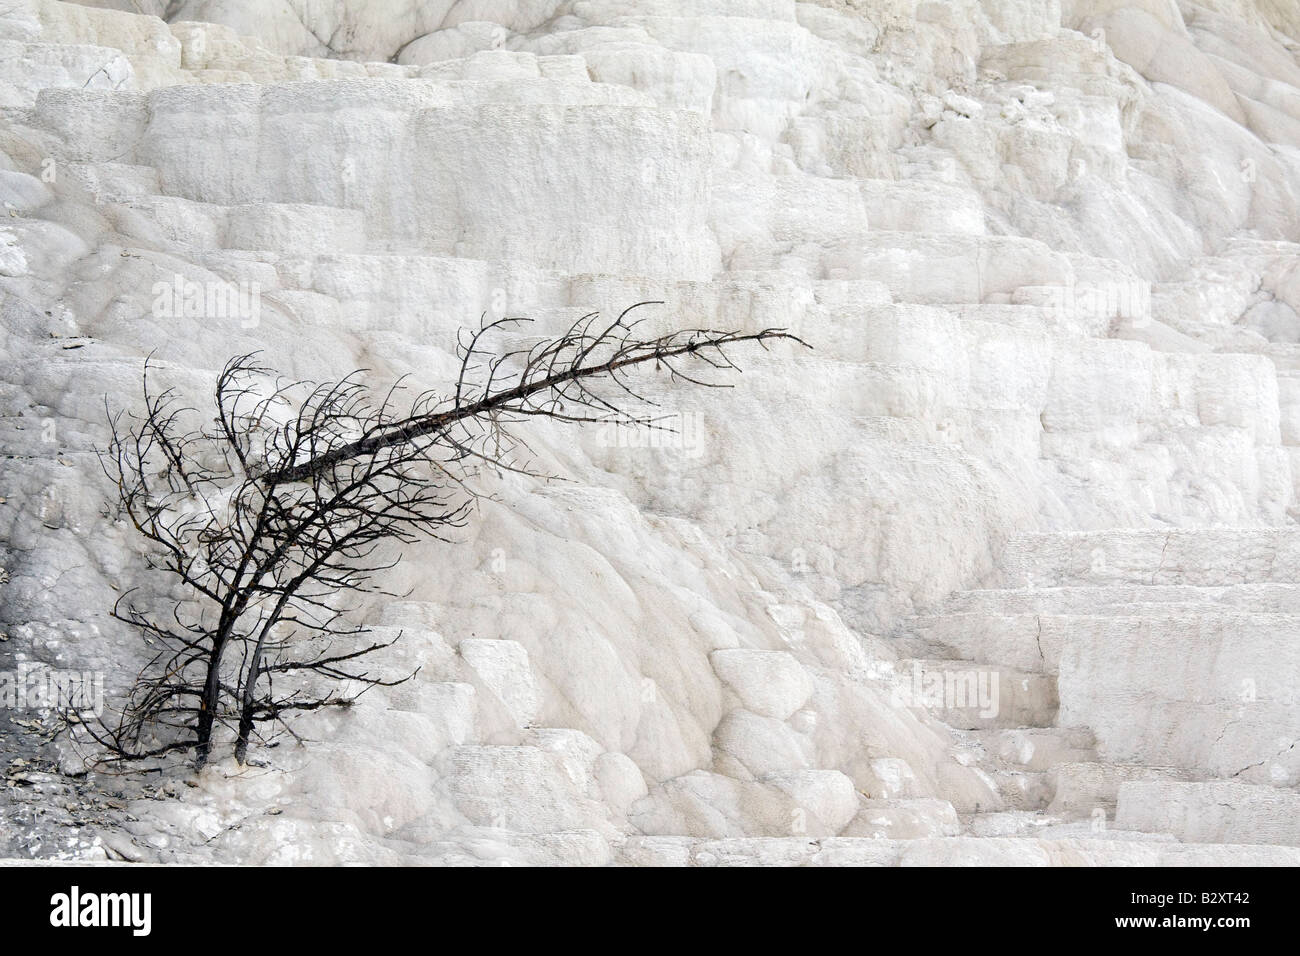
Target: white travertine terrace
[1047, 251]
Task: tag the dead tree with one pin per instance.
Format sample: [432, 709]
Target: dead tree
[275, 516]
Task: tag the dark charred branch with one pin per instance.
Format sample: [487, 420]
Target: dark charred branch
[294, 500]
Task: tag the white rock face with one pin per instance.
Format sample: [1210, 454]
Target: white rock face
[1004, 571]
[770, 683]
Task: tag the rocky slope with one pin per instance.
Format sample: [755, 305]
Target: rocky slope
[1048, 252]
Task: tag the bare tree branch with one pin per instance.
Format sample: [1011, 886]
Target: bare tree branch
[295, 495]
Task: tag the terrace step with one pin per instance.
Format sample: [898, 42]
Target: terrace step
[1204, 557]
[1078, 850]
[1035, 749]
[1217, 811]
[274, 228]
[1209, 690]
[1084, 788]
